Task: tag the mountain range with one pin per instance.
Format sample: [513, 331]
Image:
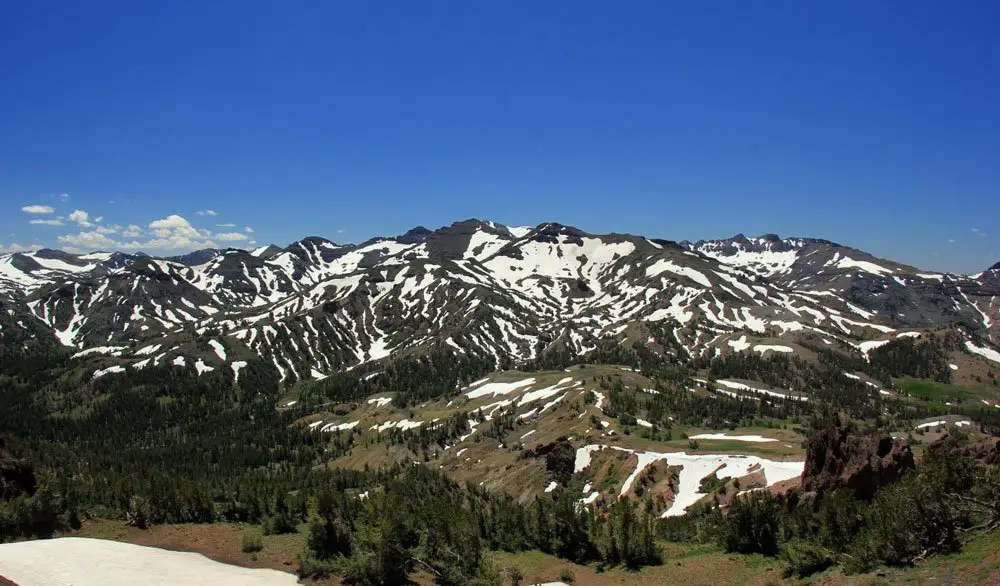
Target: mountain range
[510, 294]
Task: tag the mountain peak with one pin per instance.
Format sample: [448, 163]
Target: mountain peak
[198, 257]
[265, 252]
[414, 235]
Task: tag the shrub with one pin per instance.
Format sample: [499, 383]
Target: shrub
[805, 559]
[252, 543]
[310, 567]
[752, 525]
[567, 576]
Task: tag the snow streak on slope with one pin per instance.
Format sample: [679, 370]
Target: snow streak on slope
[476, 289]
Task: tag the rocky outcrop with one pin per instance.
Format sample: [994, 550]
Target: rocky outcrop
[837, 459]
[986, 451]
[559, 458]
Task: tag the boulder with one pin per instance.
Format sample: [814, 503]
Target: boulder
[836, 459]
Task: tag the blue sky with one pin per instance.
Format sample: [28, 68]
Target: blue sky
[874, 125]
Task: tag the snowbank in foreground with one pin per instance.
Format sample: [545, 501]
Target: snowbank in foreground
[79, 561]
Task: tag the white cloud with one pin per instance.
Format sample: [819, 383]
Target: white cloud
[89, 240]
[48, 222]
[81, 217]
[248, 229]
[170, 243]
[133, 231]
[978, 232]
[206, 213]
[230, 236]
[171, 221]
[106, 230]
[230, 225]
[36, 209]
[172, 233]
[63, 196]
[951, 241]
[174, 226]
[16, 248]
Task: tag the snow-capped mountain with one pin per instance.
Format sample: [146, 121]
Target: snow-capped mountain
[508, 293]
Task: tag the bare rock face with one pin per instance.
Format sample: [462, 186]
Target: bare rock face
[836, 459]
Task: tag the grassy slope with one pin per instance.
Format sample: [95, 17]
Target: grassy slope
[941, 392]
[502, 469]
[497, 465]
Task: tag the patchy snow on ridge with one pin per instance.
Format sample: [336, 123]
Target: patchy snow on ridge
[695, 467]
[236, 366]
[739, 345]
[546, 392]
[380, 401]
[869, 267]
[762, 348]
[987, 353]
[81, 561]
[201, 367]
[340, 426]
[583, 457]
[220, 350]
[663, 265]
[108, 350]
[870, 345]
[108, 370]
[744, 387]
[497, 389]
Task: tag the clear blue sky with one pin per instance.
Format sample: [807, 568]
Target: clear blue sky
[872, 124]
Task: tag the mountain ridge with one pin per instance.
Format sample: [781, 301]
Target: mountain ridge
[505, 293]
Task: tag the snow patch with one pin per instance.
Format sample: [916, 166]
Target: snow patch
[497, 389]
[735, 438]
[762, 348]
[220, 350]
[987, 353]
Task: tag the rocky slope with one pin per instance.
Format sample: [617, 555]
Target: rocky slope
[508, 294]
